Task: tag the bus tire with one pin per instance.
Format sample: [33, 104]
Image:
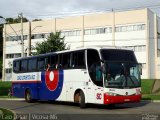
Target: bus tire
[28, 96]
[82, 100]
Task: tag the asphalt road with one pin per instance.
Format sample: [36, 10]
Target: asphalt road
[70, 111]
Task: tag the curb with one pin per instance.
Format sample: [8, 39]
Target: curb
[12, 99]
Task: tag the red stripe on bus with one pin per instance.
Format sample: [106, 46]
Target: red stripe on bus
[29, 81]
[121, 99]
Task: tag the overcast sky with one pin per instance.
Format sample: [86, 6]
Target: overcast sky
[52, 8]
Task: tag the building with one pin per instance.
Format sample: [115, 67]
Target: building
[135, 29]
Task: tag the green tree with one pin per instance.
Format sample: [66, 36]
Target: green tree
[53, 43]
[16, 20]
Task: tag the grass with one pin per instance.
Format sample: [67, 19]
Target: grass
[6, 114]
[147, 86]
[150, 97]
[4, 88]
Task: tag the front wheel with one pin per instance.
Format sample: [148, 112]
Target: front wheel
[82, 100]
[28, 97]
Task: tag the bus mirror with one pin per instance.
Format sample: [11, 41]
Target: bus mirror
[102, 61]
[140, 68]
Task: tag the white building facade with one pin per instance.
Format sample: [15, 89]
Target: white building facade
[136, 29]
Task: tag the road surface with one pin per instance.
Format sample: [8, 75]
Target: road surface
[70, 111]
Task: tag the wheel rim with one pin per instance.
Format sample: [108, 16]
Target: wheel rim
[28, 96]
[76, 98]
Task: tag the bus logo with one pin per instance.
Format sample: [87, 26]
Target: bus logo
[52, 79]
[99, 96]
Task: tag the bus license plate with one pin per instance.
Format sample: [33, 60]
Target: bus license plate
[126, 100]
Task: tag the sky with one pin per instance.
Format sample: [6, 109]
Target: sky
[44, 9]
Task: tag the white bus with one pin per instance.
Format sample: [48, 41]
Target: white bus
[89, 75]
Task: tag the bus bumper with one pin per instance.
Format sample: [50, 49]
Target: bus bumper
[121, 99]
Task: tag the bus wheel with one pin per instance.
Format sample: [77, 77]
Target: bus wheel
[76, 97]
[82, 100]
[28, 97]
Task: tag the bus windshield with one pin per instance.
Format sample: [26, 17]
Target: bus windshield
[121, 75]
[121, 69]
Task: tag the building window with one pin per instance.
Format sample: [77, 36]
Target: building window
[40, 36]
[14, 55]
[8, 70]
[87, 32]
[71, 33]
[98, 31]
[140, 48]
[16, 38]
[17, 55]
[130, 28]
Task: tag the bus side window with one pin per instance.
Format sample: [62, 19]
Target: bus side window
[60, 57]
[46, 61]
[53, 62]
[78, 60]
[32, 64]
[94, 67]
[66, 60]
[24, 65]
[41, 64]
[16, 66]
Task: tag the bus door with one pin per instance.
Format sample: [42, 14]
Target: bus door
[95, 88]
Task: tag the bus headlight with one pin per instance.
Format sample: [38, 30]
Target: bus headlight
[111, 94]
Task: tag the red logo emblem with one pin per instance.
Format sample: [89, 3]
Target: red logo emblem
[52, 79]
[99, 96]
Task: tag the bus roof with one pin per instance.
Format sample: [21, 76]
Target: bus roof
[76, 49]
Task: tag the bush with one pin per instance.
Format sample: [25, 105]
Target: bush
[4, 88]
[147, 86]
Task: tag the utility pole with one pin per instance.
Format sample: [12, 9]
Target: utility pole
[22, 40]
[29, 41]
[113, 26]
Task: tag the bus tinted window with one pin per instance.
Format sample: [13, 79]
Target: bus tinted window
[41, 64]
[118, 55]
[53, 61]
[16, 66]
[24, 66]
[78, 60]
[94, 67]
[32, 64]
[66, 61]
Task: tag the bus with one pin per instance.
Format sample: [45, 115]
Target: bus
[97, 75]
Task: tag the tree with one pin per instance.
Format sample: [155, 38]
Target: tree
[36, 20]
[53, 43]
[16, 20]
